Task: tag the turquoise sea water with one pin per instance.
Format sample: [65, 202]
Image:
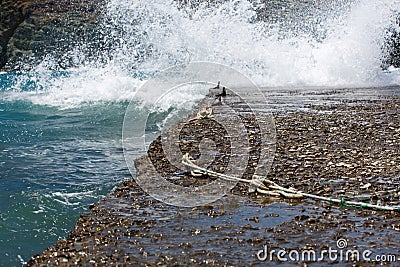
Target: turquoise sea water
[60, 151]
[53, 163]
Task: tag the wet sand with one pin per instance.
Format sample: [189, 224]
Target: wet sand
[342, 143]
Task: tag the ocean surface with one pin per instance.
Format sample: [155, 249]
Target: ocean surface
[60, 130]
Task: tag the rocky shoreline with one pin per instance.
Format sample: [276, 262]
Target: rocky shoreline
[341, 147]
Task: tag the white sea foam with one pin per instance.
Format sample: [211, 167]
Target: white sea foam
[69, 199]
[327, 43]
[84, 85]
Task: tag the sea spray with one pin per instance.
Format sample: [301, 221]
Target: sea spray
[322, 44]
[276, 44]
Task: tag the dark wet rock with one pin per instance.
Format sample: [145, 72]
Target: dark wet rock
[392, 46]
[12, 14]
[31, 30]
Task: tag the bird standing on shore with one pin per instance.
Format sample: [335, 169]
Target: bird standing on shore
[216, 87]
[223, 94]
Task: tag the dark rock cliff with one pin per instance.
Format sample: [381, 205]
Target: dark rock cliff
[12, 14]
[33, 29]
[393, 47]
